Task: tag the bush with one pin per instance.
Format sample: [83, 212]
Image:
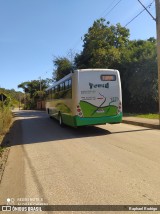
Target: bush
[5, 119]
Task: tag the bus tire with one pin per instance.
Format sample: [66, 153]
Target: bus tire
[48, 111]
[60, 120]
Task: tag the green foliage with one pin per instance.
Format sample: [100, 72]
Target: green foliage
[102, 46]
[32, 87]
[13, 97]
[34, 91]
[5, 118]
[148, 116]
[63, 66]
[139, 77]
[1, 150]
[108, 46]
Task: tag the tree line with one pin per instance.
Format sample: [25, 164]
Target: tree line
[109, 46]
[10, 100]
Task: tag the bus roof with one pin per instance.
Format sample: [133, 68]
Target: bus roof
[80, 70]
[96, 69]
[59, 81]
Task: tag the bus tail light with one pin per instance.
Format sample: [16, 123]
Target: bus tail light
[120, 107]
[79, 111]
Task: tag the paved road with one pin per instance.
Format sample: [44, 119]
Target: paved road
[107, 164]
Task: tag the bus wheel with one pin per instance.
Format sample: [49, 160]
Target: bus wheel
[60, 120]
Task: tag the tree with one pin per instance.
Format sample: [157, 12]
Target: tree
[108, 46]
[13, 97]
[102, 46]
[63, 66]
[24, 86]
[139, 77]
[35, 90]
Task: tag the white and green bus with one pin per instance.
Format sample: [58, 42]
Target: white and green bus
[86, 97]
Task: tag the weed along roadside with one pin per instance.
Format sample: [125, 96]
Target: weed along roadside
[6, 120]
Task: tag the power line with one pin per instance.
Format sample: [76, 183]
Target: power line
[112, 8]
[147, 10]
[103, 16]
[135, 17]
[107, 8]
[139, 13]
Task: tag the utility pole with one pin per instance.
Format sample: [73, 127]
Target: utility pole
[147, 10]
[40, 93]
[40, 86]
[158, 48]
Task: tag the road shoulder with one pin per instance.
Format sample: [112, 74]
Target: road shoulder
[148, 123]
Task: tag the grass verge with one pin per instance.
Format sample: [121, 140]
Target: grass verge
[147, 116]
[5, 124]
[5, 119]
[1, 151]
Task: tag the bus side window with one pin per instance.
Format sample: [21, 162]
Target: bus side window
[58, 88]
[47, 94]
[66, 84]
[52, 93]
[70, 83]
[62, 86]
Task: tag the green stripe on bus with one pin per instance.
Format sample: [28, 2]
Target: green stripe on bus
[82, 121]
[68, 120]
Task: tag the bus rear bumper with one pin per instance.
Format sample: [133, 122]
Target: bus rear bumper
[82, 121]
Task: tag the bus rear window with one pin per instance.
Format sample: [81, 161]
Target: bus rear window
[108, 77]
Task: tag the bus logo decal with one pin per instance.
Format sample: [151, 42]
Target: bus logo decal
[91, 85]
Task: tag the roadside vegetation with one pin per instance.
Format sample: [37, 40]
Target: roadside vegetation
[5, 119]
[148, 116]
[5, 123]
[109, 46]
[12, 100]
[1, 151]
[34, 91]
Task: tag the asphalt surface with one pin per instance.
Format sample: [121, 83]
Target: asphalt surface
[108, 164]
